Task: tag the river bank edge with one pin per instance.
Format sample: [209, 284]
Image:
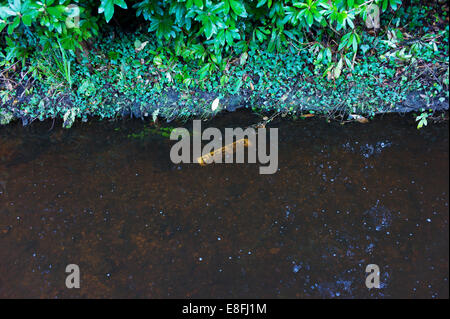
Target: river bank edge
[172, 105]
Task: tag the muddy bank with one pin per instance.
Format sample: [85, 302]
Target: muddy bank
[171, 106]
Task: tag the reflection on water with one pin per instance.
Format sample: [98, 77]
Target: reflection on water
[106, 196]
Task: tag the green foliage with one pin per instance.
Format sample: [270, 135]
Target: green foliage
[5, 117]
[107, 7]
[213, 30]
[286, 56]
[54, 67]
[201, 30]
[31, 24]
[422, 120]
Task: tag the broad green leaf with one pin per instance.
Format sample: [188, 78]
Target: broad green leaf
[6, 12]
[26, 19]
[107, 7]
[13, 25]
[238, 8]
[199, 3]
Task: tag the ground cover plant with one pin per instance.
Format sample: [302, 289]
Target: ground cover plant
[179, 59]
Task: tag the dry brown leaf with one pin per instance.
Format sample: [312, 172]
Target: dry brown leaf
[373, 17]
[359, 118]
[142, 46]
[9, 87]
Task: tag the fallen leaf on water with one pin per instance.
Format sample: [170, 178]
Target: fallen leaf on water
[362, 120]
[359, 118]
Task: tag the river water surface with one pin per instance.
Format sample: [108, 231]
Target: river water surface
[105, 196]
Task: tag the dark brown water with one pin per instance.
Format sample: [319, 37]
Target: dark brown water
[106, 197]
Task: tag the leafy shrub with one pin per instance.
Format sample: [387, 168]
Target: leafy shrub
[203, 30]
[213, 30]
[30, 24]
